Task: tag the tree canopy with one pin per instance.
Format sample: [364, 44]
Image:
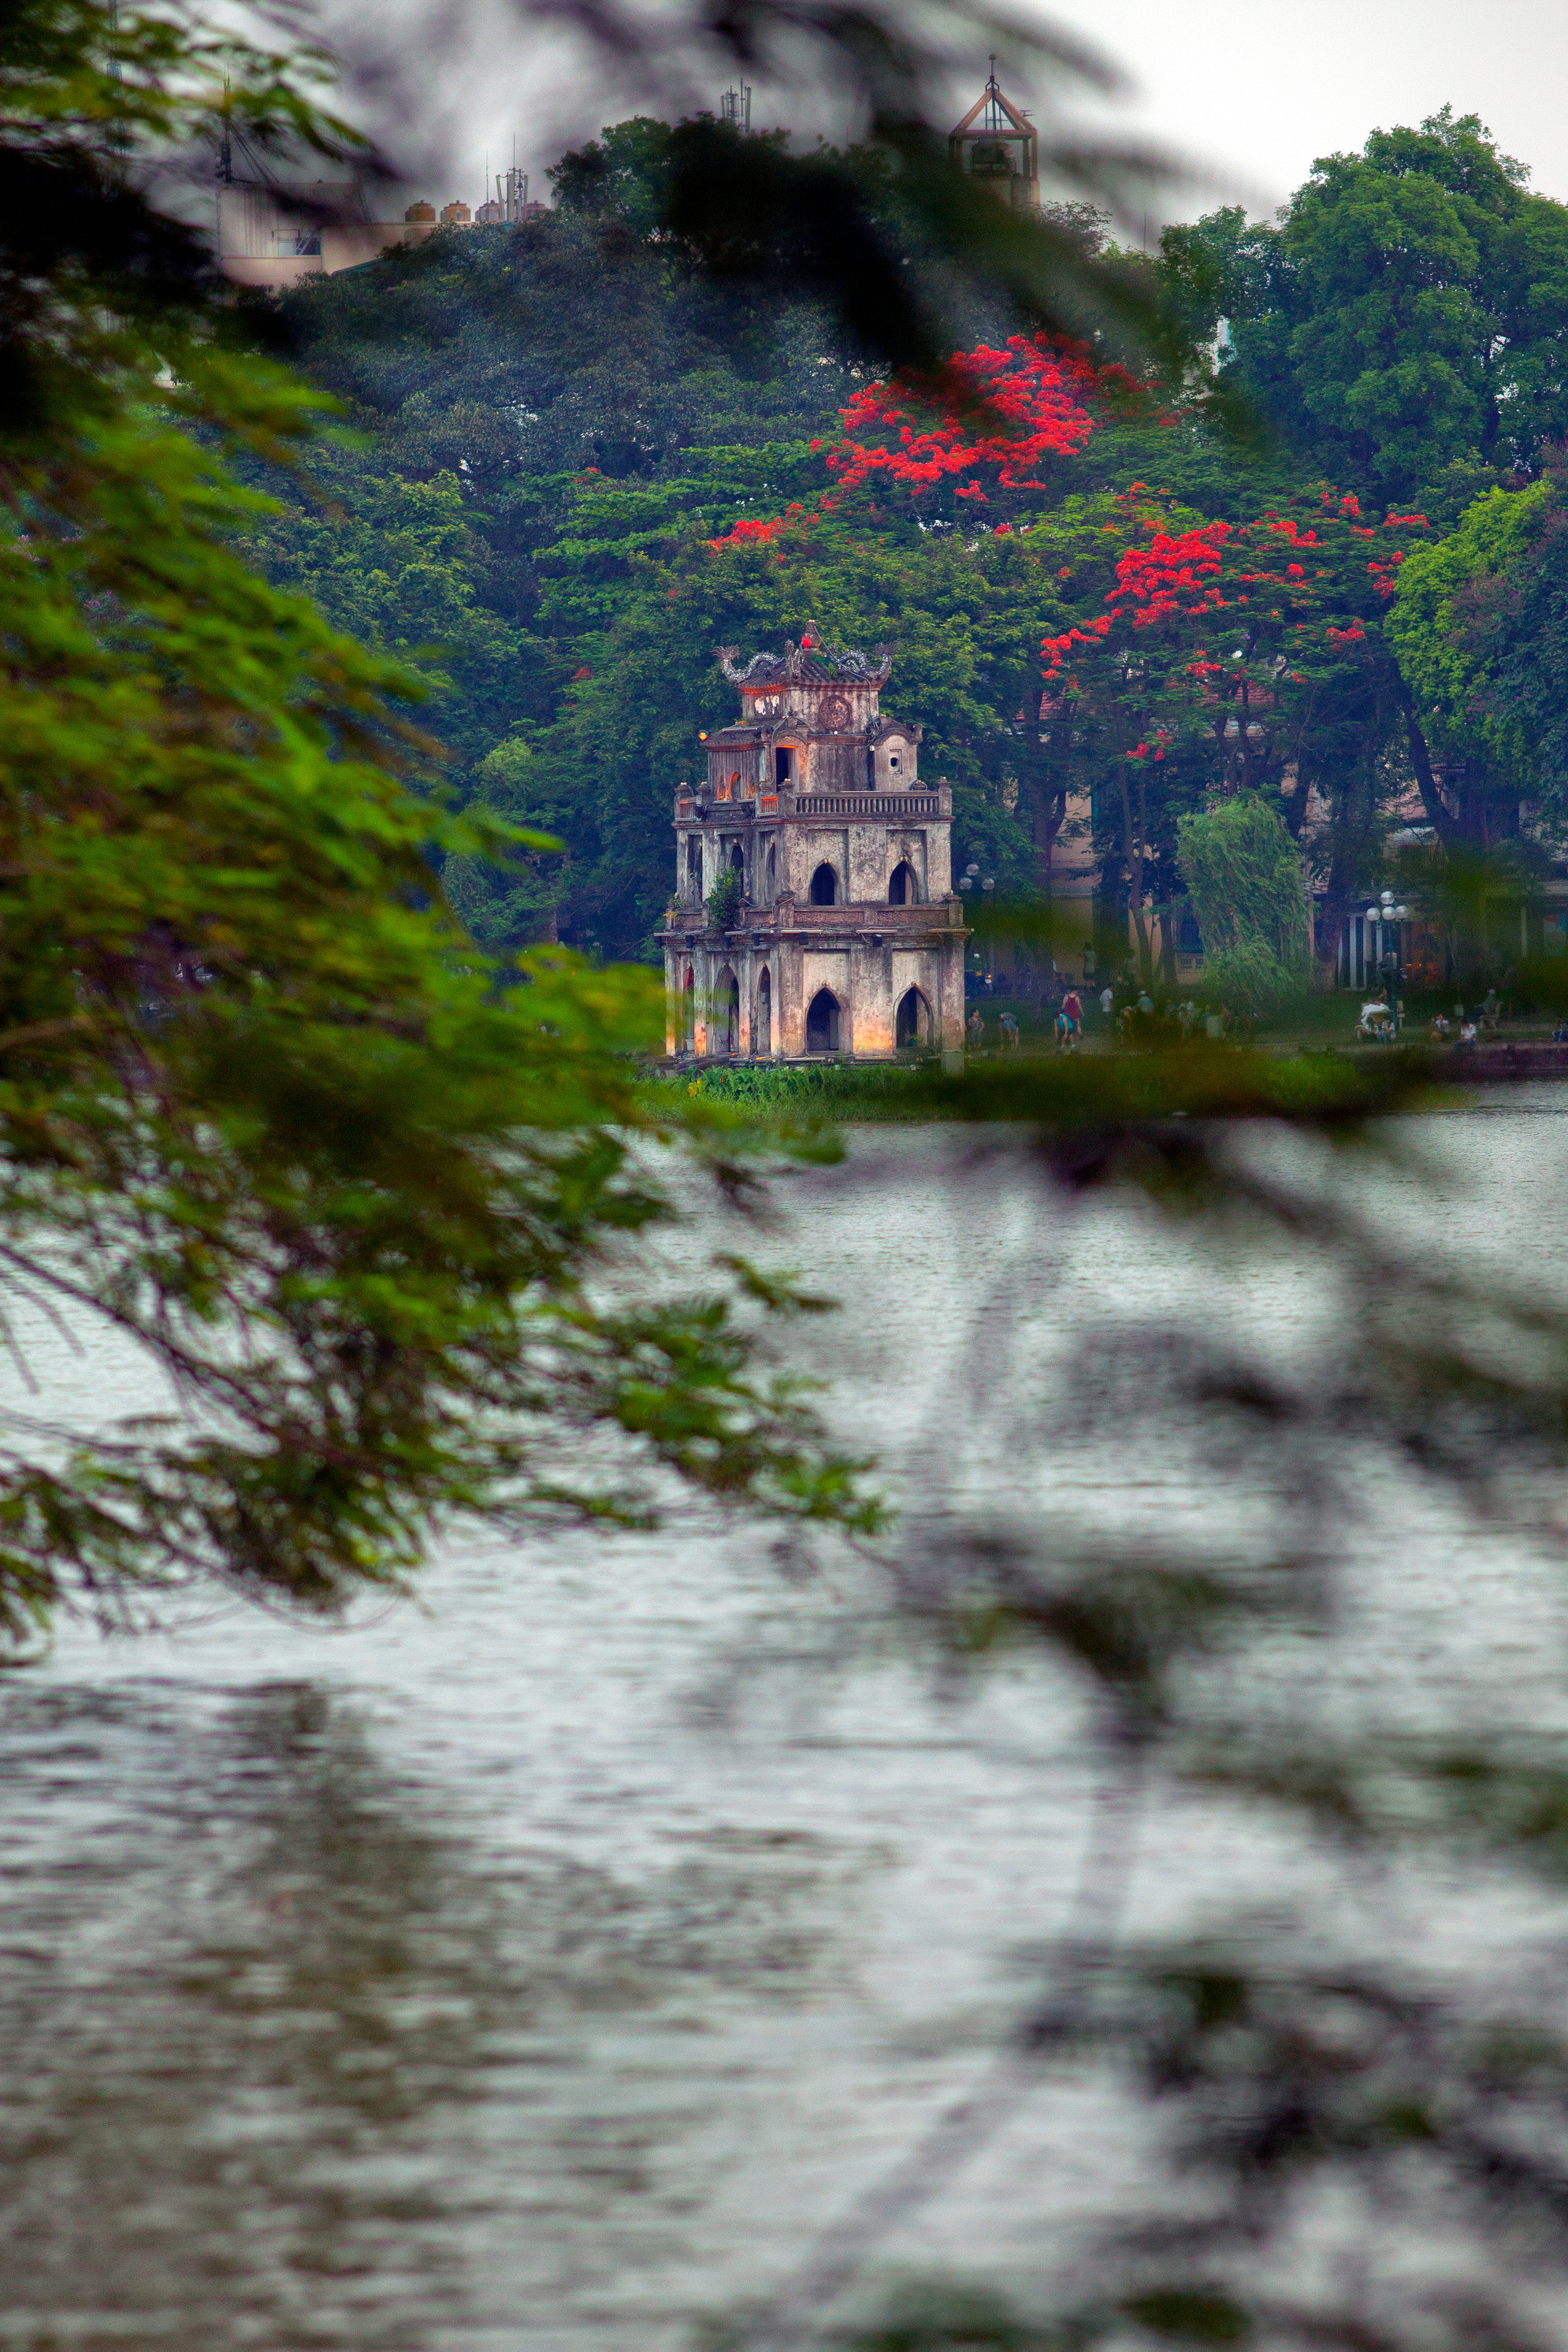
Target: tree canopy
[1406, 316]
[605, 491]
[265, 1107]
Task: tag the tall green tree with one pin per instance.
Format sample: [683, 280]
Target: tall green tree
[1475, 630]
[1406, 316]
[265, 1109]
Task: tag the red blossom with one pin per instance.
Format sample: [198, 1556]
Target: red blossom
[1035, 388]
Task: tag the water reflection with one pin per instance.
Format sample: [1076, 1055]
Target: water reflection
[552, 1966]
[280, 2054]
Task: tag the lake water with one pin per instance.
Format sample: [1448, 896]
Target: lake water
[552, 1963]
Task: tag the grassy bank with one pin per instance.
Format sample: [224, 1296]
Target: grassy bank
[837, 1090]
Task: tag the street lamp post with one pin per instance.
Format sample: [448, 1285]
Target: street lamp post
[1390, 960]
[966, 882]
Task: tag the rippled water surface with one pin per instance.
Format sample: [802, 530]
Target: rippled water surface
[549, 1963]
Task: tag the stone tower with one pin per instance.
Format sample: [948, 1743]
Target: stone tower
[840, 931]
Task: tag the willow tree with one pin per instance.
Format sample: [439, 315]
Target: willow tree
[1250, 893]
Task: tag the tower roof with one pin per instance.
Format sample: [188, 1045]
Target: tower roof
[813, 662]
[994, 114]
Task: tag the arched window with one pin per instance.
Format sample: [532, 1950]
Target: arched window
[902, 888]
[738, 862]
[822, 1027]
[784, 765]
[725, 1035]
[825, 886]
[763, 1025]
[772, 869]
[694, 864]
[688, 1011]
[911, 1023]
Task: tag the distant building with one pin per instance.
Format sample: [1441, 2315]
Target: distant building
[997, 143]
[274, 235]
[456, 215]
[843, 934]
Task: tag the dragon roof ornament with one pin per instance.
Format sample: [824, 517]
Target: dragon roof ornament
[813, 662]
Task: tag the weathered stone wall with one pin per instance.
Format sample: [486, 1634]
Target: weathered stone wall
[805, 847]
[897, 759]
[867, 976]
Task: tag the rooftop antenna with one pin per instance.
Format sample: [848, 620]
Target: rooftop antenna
[735, 106]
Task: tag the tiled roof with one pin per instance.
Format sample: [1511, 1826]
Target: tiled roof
[817, 665]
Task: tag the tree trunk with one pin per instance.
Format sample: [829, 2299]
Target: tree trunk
[1132, 857]
[1448, 828]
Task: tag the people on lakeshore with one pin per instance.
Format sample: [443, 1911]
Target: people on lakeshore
[1440, 1029]
[1491, 1009]
[1008, 1027]
[1467, 1037]
[1145, 1003]
[1072, 1006]
[1559, 1035]
[1376, 1021]
[1106, 1003]
[976, 1028]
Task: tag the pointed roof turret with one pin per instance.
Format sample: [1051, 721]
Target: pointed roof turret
[998, 142]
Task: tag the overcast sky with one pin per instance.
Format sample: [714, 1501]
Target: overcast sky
[1261, 89]
[1250, 88]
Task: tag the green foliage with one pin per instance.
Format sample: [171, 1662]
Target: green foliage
[266, 1109]
[830, 1089]
[1245, 876]
[1405, 316]
[1440, 657]
[724, 899]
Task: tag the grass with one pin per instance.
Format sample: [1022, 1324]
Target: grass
[835, 1089]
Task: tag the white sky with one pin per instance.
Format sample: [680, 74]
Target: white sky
[1251, 90]
[1260, 88]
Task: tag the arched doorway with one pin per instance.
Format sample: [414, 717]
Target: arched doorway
[825, 886]
[763, 1027]
[823, 1024]
[911, 1021]
[903, 890]
[726, 1013]
[738, 864]
[688, 1011]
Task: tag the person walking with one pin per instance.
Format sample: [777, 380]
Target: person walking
[1106, 1003]
[976, 1031]
[1072, 1006]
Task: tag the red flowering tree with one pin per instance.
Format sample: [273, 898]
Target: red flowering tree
[1253, 651]
[987, 422]
[988, 419]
